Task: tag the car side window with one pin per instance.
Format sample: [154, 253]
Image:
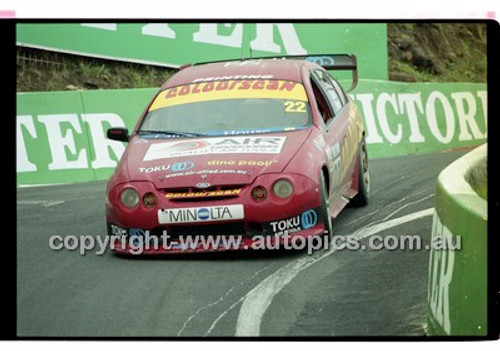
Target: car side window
[323, 108]
[333, 97]
[340, 91]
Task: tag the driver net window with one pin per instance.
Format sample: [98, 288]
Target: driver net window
[333, 97]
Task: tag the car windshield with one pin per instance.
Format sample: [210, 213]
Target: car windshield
[228, 107]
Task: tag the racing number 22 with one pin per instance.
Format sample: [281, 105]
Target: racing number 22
[295, 106]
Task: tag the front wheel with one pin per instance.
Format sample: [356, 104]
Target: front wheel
[363, 194]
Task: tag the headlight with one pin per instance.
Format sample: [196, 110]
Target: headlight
[129, 198]
[282, 188]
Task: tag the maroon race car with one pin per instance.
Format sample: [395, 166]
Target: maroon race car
[255, 148]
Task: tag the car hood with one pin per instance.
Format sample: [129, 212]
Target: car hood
[210, 161]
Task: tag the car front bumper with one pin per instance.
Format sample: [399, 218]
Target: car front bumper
[272, 220]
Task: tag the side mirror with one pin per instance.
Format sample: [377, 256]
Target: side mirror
[120, 134]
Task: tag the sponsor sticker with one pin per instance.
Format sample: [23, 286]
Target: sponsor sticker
[199, 194]
[229, 89]
[226, 145]
[205, 172]
[253, 163]
[334, 164]
[321, 60]
[244, 76]
[305, 220]
[154, 169]
[247, 131]
[319, 142]
[182, 166]
[200, 214]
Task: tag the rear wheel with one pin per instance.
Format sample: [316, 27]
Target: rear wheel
[363, 194]
[325, 209]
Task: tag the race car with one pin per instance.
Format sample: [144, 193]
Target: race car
[255, 148]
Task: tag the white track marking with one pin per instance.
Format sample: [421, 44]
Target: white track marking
[398, 210]
[216, 302]
[257, 300]
[214, 323]
[405, 198]
[44, 203]
[377, 228]
[406, 205]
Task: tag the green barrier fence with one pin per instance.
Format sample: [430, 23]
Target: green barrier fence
[457, 300]
[61, 135]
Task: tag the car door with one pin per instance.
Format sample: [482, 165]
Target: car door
[353, 136]
[336, 125]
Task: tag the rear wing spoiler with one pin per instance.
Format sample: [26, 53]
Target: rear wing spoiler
[337, 62]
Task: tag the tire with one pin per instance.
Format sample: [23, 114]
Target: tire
[363, 194]
[325, 209]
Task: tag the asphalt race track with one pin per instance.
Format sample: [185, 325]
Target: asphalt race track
[338, 293]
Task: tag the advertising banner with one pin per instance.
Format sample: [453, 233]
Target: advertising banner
[176, 44]
[412, 118]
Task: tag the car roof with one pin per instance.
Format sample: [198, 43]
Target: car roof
[281, 69]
